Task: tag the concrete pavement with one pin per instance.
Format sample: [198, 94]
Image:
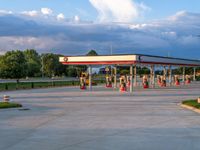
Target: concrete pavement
[69, 119]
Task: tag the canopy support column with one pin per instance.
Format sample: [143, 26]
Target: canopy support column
[194, 74]
[90, 77]
[131, 78]
[183, 77]
[153, 71]
[164, 72]
[152, 76]
[135, 75]
[115, 77]
[170, 75]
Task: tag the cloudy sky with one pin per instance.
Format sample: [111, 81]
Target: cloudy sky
[72, 27]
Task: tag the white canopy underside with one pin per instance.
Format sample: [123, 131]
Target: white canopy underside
[127, 60]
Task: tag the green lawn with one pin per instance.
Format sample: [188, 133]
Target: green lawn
[32, 85]
[4, 105]
[192, 103]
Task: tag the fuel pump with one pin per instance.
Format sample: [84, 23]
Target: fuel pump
[163, 81]
[122, 83]
[188, 79]
[159, 80]
[177, 81]
[128, 79]
[145, 82]
[108, 81]
[83, 81]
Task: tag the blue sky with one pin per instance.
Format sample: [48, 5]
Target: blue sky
[164, 8]
[159, 9]
[72, 27]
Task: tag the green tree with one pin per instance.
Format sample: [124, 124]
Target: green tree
[80, 68]
[92, 53]
[33, 62]
[143, 70]
[13, 65]
[60, 69]
[71, 71]
[124, 72]
[51, 65]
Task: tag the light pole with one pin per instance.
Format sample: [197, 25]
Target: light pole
[42, 66]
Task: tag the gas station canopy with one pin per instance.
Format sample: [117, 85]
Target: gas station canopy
[127, 60]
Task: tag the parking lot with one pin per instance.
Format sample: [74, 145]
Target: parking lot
[104, 119]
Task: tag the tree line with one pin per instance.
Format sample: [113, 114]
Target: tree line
[18, 64]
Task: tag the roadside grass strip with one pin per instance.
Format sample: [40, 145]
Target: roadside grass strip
[191, 105]
[4, 105]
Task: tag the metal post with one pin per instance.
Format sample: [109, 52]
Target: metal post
[42, 66]
[131, 78]
[115, 77]
[170, 75]
[150, 79]
[135, 76]
[183, 77]
[194, 75]
[164, 72]
[90, 77]
[153, 76]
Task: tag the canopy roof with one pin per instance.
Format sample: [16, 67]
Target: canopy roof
[128, 59]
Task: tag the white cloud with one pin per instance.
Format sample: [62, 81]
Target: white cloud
[76, 18]
[116, 10]
[5, 12]
[32, 13]
[170, 35]
[60, 17]
[46, 11]
[138, 26]
[188, 40]
[21, 42]
[143, 7]
[178, 36]
[178, 15]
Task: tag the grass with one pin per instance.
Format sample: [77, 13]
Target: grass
[4, 105]
[192, 103]
[32, 85]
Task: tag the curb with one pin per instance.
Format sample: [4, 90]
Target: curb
[190, 108]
